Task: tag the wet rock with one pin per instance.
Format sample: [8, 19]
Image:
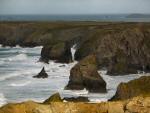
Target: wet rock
[59, 52]
[42, 74]
[54, 98]
[62, 65]
[76, 99]
[133, 88]
[85, 75]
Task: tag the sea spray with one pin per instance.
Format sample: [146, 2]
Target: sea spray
[3, 100]
[73, 50]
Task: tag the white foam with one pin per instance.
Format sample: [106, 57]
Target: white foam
[20, 84]
[38, 47]
[18, 57]
[17, 46]
[73, 50]
[98, 100]
[3, 100]
[0, 46]
[4, 77]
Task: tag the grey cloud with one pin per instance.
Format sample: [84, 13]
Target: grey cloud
[73, 6]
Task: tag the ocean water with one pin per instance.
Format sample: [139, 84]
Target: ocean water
[19, 65]
[84, 17]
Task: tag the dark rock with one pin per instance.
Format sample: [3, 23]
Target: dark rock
[42, 74]
[60, 52]
[54, 98]
[120, 65]
[85, 75]
[133, 88]
[134, 43]
[62, 65]
[76, 99]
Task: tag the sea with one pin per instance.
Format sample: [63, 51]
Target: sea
[76, 17]
[18, 66]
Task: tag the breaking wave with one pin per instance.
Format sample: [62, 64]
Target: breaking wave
[18, 57]
[3, 100]
[20, 84]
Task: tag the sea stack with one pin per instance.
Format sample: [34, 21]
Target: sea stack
[42, 74]
[85, 75]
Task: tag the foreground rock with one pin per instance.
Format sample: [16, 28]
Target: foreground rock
[133, 88]
[85, 75]
[54, 98]
[42, 74]
[59, 52]
[135, 105]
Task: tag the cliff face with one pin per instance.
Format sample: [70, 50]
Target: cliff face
[120, 47]
[42, 33]
[135, 105]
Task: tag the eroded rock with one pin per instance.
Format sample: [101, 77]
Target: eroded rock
[60, 52]
[85, 75]
[42, 74]
[133, 88]
[54, 98]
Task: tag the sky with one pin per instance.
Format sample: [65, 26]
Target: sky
[74, 6]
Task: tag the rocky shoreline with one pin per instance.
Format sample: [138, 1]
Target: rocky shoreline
[120, 48]
[137, 104]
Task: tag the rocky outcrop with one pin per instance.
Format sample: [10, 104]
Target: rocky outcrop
[135, 105]
[54, 98]
[42, 74]
[85, 75]
[133, 88]
[122, 49]
[60, 52]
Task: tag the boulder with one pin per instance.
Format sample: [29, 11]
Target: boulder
[85, 75]
[76, 99]
[42, 74]
[133, 88]
[60, 52]
[54, 98]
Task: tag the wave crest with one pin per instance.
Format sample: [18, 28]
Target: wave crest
[20, 84]
[18, 57]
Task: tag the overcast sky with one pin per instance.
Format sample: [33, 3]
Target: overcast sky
[73, 6]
